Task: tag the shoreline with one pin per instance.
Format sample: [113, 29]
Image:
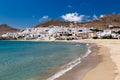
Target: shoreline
[65, 68]
[104, 70]
[71, 65]
[107, 67]
[88, 63]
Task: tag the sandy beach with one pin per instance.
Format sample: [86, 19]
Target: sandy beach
[107, 66]
[102, 64]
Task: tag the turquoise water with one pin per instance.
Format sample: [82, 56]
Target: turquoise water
[20, 60]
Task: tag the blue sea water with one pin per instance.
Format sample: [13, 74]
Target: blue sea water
[24, 60]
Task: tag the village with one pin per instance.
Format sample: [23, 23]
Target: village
[63, 33]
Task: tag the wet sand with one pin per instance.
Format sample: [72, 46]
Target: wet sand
[87, 64]
[102, 65]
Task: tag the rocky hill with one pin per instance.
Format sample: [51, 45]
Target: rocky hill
[4, 28]
[100, 23]
[54, 22]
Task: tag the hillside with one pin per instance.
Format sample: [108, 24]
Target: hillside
[100, 23]
[54, 22]
[4, 28]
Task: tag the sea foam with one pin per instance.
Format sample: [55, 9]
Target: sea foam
[70, 65]
[88, 52]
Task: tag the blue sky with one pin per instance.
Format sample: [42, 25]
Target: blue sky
[28, 13]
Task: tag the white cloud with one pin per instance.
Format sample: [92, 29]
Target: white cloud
[102, 15]
[44, 18]
[95, 17]
[74, 17]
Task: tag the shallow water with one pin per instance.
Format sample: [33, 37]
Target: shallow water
[20, 60]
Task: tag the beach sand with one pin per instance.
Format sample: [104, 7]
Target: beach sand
[106, 68]
[87, 64]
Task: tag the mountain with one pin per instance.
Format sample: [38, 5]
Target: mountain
[100, 23]
[54, 22]
[4, 28]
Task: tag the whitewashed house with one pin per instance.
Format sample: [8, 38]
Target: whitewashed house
[104, 33]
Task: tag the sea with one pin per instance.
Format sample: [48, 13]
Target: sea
[29, 60]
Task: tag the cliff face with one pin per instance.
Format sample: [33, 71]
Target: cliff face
[4, 28]
[100, 23]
